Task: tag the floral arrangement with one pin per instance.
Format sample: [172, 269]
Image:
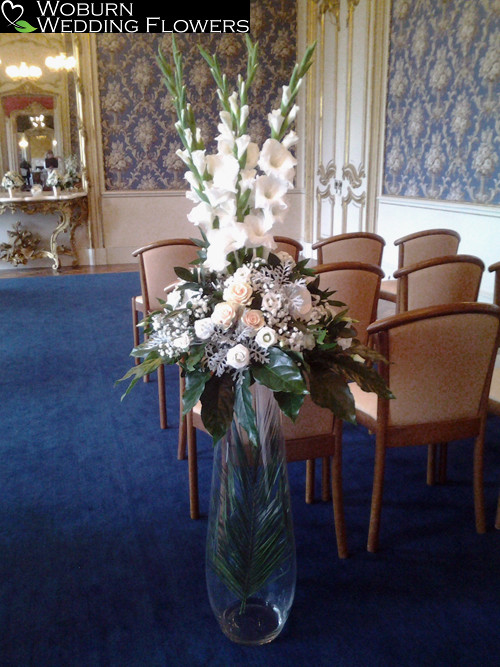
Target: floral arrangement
[243, 313]
[54, 179]
[71, 175]
[12, 179]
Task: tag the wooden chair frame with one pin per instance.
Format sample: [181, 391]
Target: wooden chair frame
[387, 291]
[319, 245]
[432, 433]
[143, 305]
[403, 275]
[298, 247]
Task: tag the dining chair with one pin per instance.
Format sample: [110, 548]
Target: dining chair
[289, 245]
[418, 247]
[437, 281]
[157, 262]
[353, 246]
[440, 364]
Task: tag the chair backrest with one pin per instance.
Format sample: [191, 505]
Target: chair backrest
[440, 363]
[426, 244]
[289, 245]
[496, 269]
[351, 247]
[437, 281]
[157, 262]
[356, 284]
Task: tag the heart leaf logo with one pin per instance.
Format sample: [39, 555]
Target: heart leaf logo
[12, 14]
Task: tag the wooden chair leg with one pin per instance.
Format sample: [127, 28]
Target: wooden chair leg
[162, 400]
[479, 508]
[325, 479]
[194, 505]
[378, 486]
[181, 445]
[135, 322]
[337, 493]
[497, 518]
[431, 464]
[310, 475]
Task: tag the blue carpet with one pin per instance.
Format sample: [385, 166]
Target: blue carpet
[101, 566]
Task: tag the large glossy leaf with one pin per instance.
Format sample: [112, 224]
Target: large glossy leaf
[290, 404]
[217, 402]
[243, 408]
[195, 384]
[330, 390]
[281, 373]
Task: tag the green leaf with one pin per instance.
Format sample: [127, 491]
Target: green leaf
[183, 273]
[24, 26]
[217, 403]
[330, 390]
[243, 408]
[290, 404]
[195, 385]
[195, 356]
[137, 372]
[281, 373]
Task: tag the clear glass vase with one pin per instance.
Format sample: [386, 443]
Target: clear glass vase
[250, 557]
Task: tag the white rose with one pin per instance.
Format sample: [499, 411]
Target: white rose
[253, 319]
[239, 292]
[224, 314]
[182, 342]
[204, 328]
[238, 356]
[266, 337]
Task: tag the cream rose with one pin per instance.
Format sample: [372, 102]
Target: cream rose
[224, 314]
[253, 319]
[238, 356]
[238, 292]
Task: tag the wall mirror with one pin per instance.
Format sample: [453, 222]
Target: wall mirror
[40, 104]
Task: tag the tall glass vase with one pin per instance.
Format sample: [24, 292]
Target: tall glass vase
[250, 557]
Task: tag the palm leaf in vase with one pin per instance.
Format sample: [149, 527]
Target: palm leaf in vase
[250, 544]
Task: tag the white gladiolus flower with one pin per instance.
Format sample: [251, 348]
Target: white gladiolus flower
[257, 230]
[285, 97]
[269, 191]
[266, 337]
[221, 243]
[276, 160]
[247, 179]
[238, 356]
[242, 144]
[202, 215]
[233, 102]
[224, 170]
[293, 113]
[275, 120]
[253, 153]
[183, 154]
[199, 160]
[290, 139]
[204, 328]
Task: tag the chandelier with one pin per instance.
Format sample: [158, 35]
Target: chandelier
[23, 71]
[60, 62]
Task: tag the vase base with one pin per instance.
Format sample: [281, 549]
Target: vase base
[259, 623]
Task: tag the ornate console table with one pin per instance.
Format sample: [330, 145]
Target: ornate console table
[71, 211]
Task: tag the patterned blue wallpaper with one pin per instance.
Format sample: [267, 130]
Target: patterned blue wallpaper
[443, 105]
[139, 138]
